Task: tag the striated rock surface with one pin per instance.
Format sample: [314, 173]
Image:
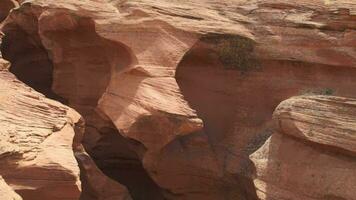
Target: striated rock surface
[37, 159]
[36, 148]
[177, 94]
[311, 155]
[327, 121]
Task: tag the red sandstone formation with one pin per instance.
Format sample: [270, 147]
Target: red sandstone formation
[175, 95]
[37, 159]
[312, 154]
[36, 148]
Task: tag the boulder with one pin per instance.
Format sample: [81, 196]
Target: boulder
[310, 155]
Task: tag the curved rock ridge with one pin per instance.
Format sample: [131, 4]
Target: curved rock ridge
[5, 7]
[188, 87]
[324, 120]
[36, 148]
[310, 156]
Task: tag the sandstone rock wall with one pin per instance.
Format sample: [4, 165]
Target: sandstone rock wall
[38, 140]
[37, 159]
[178, 94]
[311, 155]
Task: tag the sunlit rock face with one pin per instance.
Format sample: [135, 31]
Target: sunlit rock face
[36, 134]
[175, 96]
[312, 153]
[41, 154]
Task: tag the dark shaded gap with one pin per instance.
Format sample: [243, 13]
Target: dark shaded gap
[113, 155]
[5, 7]
[29, 61]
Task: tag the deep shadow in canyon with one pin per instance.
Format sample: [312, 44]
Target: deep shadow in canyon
[29, 61]
[114, 157]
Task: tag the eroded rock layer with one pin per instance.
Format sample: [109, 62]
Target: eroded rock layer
[179, 92]
[37, 159]
[311, 155]
[38, 140]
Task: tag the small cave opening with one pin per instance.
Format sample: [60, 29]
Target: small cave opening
[76, 71]
[29, 61]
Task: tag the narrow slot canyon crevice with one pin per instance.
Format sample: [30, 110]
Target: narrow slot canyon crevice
[77, 73]
[113, 154]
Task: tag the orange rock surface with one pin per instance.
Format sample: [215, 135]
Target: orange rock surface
[311, 155]
[176, 95]
[37, 139]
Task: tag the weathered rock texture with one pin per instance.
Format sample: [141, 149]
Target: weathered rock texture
[37, 137]
[312, 154]
[181, 92]
[36, 133]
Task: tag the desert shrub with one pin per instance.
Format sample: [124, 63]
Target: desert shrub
[317, 91]
[260, 138]
[234, 52]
